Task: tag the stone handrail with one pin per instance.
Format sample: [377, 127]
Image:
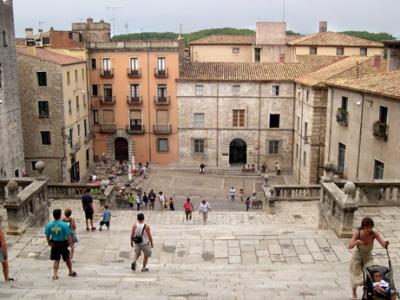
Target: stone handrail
[22, 183]
[26, 208]
[337, 208]
[70, 191]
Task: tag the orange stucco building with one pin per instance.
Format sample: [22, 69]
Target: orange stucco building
[133, 99]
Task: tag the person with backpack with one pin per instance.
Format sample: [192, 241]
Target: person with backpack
[141, 241]
[152, 198]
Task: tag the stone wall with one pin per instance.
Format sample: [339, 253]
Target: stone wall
[11, 145]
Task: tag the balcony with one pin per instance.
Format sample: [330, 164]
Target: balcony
[108, 128]
[162, 129]
[90, 136]
[137, 100]
[161, 100]
[75, 148]
[380, 130]
[135, 129]
[43, 115]
[161, 73]
[342, 117]
[109, 100]
[107, 73]
[134, 73]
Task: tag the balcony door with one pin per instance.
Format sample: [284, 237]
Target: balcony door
[107, 66]
[161, 64]
[162, 91]
[135, 120]
[162, 117]
[134, 64]
[341, 158]
[383, 114]
[108, 117]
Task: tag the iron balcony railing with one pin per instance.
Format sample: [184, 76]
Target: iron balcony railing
[380, 130]
[162, 129]
[107, 100]
[107, 73]
[161, 73]
[161, 100]
[134, 100]
[135, 129]
[134, 73]
[342, 117]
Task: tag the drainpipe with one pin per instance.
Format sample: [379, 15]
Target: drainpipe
[149, 103]
[330, 126]
[301, 138]
[217, 135]
[359, 137]
[259, 125]
[294, 124]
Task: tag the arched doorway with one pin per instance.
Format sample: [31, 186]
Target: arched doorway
[237, 152]
[121, 149]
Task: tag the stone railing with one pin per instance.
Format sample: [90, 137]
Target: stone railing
[337, 208]
[27, 207]
[71, 191]
[275, 193]
[378, 193]
[22, 183]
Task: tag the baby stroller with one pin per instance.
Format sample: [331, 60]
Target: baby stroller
[387, 275]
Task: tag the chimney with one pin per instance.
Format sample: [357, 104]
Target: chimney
[377, 61]
[323, 26]
[89, 20]
[282, 58]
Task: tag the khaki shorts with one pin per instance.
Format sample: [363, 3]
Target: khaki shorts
[145, 248]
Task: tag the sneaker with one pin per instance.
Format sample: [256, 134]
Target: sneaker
[87, 229]
[73, 274]
[145, 270]
[133, 266]
[190, 222]
[100, 229]
[93, 228]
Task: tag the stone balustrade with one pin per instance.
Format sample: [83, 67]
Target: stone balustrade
[27, 207]
[22, 183]
[71, 191]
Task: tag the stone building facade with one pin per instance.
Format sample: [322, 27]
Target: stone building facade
[11, 142]
[55, 113]
[235, 114]
[93, 32]
[366, 147]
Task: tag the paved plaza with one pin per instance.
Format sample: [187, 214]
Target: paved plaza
[237, 255]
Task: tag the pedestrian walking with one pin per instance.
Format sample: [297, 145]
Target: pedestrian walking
[202, 168]
[188, 207]
[105, 218]
[141, 241]
[72, 226]
[171, 204]
[248, 202]
[232, 193]
[58, 236]
[4, 256]
[162, 200]
[204, 209]
[241, 195]
[145, 200]
[131, 200]
[138, 202]
[152, 198]
[87, 203]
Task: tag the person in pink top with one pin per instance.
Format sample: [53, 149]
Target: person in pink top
[188, 207]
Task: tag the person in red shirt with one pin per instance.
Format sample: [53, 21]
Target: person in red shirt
[188, 207]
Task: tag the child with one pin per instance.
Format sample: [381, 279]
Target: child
[171, 204]
[381, 285]
[106, 218]
[247, 204]
[72, 225]
[131, 199]
[241, 195]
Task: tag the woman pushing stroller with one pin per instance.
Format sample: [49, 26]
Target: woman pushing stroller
[363, 243]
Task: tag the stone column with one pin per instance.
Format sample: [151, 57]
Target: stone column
[14, 214]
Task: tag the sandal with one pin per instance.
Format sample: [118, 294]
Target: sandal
[73, 274]
[11, 279]
[133, 266]
[145, 270]
[55, 277]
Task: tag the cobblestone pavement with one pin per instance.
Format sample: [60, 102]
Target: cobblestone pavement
[237, 255]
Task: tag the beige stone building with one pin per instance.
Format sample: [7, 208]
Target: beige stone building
[237, 113]
[271, 44]
[55, 113]
[11, 146]
[365, 144]
[310, 112]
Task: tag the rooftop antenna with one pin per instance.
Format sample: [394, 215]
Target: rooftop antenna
[141, 33]
[40, 23]
[127, 27]
[113, 8]
[180, 31]
[283, 10]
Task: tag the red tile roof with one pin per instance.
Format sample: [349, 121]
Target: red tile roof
[50, 56]
[333, 39]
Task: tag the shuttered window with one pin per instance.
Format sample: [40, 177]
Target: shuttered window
[238, 118]
[108, 117]
[162, 117]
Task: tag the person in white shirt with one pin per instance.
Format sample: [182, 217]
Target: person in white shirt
[232, 193]
[204, 208]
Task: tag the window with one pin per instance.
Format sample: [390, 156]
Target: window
[236, 90]
[78, 128]
[162, 91]
[95, 90]
[69, 107]
[71, 137]
[274, 120]
[95, 116]
[135, 64]
[85, 129]
[378, 169]
[235, 50]
[307, 94]
[87, 158]
[273, 147]
[107, 66]
[363, 51]
[135, 120]
[162, 145]
[275, 90]
[161, 65]
[305, 129]
[298, 123]
[198, 146]
[198, 90]
[135, 90]
[199, 120]
[93, 63]
[297, 151]
[84, 100]
[108, 117]
[43, 109]
[77, 103]
[108, 93]
[345, 102]
[34, 165]
[42, 78]
[162, 117]
[1, 76]
[76, 75]
[238, 118]
[257, 54]
[313, 51]
[5, 42]
[304, 158]
[340, 51]
[46, 139]
[341, 158]
[68, 78]
[383, 114]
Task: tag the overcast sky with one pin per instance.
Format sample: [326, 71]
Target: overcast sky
[166, 15]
